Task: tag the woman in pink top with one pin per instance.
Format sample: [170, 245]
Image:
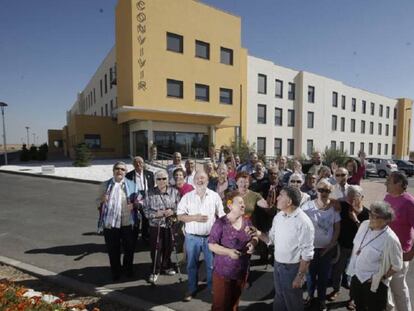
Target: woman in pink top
[180, 184]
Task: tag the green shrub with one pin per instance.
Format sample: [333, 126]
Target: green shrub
[83, 155]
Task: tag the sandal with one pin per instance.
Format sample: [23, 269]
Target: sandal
[332, 296]
[351, 305]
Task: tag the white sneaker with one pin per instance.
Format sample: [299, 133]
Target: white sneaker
[153, 278]
[170, 272]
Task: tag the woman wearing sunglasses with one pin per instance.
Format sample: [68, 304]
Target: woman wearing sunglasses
[119, 219]
[326, 221]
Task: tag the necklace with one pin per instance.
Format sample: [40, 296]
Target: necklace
[361, 247]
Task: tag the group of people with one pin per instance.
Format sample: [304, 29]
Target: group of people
[313, 227]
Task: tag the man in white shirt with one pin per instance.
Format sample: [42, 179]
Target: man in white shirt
[190, 172]
[341, 186]
[199, 209]
[171, 167]
[292, 234]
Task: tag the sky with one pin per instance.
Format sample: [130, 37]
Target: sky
[49, 49]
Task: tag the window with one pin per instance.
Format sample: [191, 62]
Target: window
[388, 112]
[311, 94]
[351, 148]
[387, 130]
[381, 110]
[353, 108]
[370, 147]
[291, 117]
[342, 146]
[353, 125]
[371, 128]
[379, 149]
[202, 49]
[334, 122]
[393, 149]
[102, 112]
[309, 146]
[290, 146]
[291, 91]
[279, 88]
[362, 146]
[310, 120]
[386, 149]
[333, 144]
[261, 114]
[379, 129]
[174, 88]
[394, 131]
[112, 106]
[362, 127]
[278, 117]
[202, 92]
[372, 109]
[93, 141]
[101, 87]
[343, 102]
[106, 110]
[226, 96]
[334, 99]
[106, 83]
[226, 56]
[342, 124]
[395, 113]
[364, 106]
[261, 84]
[94, 97]
[278, 146]
[261, 145]
[110, 78]
[175, 42]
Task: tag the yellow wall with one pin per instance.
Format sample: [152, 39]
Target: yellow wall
[194, 21]
[106, 127]
[404, 113]
[54, 135]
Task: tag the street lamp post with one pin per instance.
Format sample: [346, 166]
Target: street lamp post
[3, 105]
[27, 131]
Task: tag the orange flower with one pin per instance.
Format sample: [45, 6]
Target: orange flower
[229, 202]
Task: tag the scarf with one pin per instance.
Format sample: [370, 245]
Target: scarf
[113, 206]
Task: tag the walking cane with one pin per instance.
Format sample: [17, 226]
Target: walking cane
[157, 247]
[177, 263]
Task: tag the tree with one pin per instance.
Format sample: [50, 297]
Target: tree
[335, 155]
[242, 149]
[83, 155]
[42, 154]
[24, 155]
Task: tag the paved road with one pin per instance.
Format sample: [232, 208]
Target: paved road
[51, 223]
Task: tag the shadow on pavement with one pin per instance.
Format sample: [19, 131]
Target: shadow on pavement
[80, 250]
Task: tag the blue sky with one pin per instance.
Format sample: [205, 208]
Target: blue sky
[49, 49]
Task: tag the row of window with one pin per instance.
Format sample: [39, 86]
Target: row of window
[363, 106]
[90, 99]
[261, 147]
[175, 43]
[262, 116]
[175, 88]
[363, 128]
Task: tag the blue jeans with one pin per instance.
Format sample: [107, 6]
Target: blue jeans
[194, 245]
[287, 298]
[318, 275]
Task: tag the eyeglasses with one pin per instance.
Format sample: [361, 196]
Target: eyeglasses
[322, 190]
[340, 175]
[119, 169]
[296, 181]
[163, 178]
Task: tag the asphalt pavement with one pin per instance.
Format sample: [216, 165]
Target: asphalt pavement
[51, 224]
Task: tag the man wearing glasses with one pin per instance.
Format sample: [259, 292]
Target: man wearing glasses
[341, 186]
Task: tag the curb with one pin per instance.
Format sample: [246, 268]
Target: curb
[88, 181]
[85, 288]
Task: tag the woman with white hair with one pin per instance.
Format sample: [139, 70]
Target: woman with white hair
[326, 221]
[296, 180]
[376, 256]
[353, 213]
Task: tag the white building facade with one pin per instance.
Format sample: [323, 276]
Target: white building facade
[293, 113]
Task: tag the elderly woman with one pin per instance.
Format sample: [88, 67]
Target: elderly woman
[222, 184]
[309, 186]
[259, 181]
[353, 213]
[326, 221]
[376, 256]
[296, 180]
[232, 247]
[326, 172]
[160, 207]
[355, 171]
[119, 220]
[180, 184]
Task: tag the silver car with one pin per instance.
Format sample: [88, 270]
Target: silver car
[380, 167]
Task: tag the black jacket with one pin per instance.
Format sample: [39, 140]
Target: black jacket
[148, 176]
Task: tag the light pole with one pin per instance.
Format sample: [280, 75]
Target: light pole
[34, 138]
[2, 105]
[27, 131]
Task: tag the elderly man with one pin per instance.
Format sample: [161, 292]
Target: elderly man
[341, 186]
[171, 167]
[199, 209]
[292, 234]
[190, 171]
[316, 163]
[249, 165]
[144, 181]
[402, 203]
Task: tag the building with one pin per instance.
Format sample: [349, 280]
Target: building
[179, 81]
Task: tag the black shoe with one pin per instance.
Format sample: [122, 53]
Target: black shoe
[322, 306]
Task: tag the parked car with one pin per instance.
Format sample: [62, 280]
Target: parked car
[406, 167]
[380, 167]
